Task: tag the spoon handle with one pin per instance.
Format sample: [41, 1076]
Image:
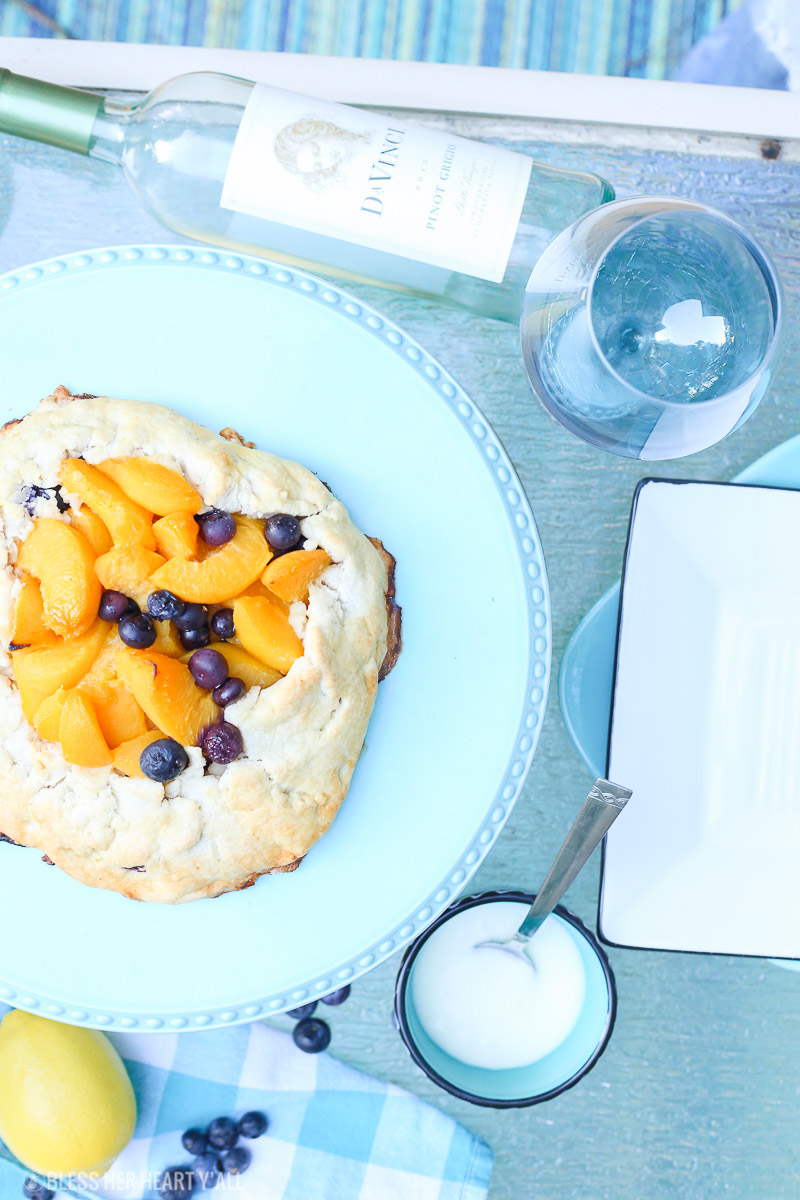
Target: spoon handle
[600, 809]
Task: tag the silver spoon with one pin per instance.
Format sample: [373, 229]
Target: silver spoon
[600, 810]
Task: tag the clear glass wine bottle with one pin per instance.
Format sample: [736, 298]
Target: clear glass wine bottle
[179, 145]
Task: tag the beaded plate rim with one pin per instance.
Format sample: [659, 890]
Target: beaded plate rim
[534, 574]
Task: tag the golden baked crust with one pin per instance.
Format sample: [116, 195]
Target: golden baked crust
[218, 828]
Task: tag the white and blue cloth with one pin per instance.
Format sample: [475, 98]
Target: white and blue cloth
[334, 1133]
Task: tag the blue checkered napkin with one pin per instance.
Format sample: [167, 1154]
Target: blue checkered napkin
[334, 1133]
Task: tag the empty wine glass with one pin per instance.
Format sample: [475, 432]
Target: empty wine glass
[651, 326]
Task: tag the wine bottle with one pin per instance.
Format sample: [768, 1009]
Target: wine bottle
[335, 189]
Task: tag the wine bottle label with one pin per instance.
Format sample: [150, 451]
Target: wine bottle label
[377, 182]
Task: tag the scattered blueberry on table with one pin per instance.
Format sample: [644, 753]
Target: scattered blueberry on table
[337, 997]
[222, 1133]
[206, 1169]
[282, 531]
[195, 1141]
[252, 1125]
[236, 1161]
[176, 1183]
[216, 1154]
[304, 1010]
[35, 1190]
[163, 760]
[311, 1035]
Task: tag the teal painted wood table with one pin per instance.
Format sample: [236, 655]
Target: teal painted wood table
[698, 1094]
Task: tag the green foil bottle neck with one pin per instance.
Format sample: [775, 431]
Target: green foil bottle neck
[45, 112]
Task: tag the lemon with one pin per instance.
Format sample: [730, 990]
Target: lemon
[66, 1102]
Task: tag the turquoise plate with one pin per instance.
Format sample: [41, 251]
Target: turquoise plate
[586, 677]
[307, 371]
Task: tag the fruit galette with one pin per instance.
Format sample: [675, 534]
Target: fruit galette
[195, 633]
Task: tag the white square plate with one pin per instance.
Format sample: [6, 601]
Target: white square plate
[706, 724]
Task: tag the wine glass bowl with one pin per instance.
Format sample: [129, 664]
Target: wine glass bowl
[650, 327]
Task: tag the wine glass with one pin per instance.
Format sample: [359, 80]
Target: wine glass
[651, 326]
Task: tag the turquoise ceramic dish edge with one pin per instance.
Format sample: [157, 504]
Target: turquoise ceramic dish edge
[529, 550]
[519, 1087]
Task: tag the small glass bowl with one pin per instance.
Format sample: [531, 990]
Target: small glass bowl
[519, 1086]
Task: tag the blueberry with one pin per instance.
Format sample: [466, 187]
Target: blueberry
[228, 692]
[221, 742]
[175, 1183]
[222, 1133]
[205, 1169]
[236, 1161]
[337, 997]
[194, 639]
[164, 760]
[34, 492]
[216, 527]
[164, 606]
[194, 1140]
[304, 1010]
[311, 1035]
[282, 531]
[208, 668]
[252, 1125]
[222, 623]
[192, 616]
[138, 632]
[35, 1190]
[113, 606]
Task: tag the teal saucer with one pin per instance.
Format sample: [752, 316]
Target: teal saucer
[520, 1086]
[586, 676]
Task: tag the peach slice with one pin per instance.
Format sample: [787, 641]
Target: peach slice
[176, 535]
[103, 671]
[119, 716]
[82, 741]
[59, 556]
[92, 529]
[167, 640]
[47, 718]
[225, 573]
[40, 671]
[263, 629]
[124, 519]
[290, 575]
[29, 627]
[158, 489]
[245, 667]
[125, 757]
[164, 688]
[127, 569]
